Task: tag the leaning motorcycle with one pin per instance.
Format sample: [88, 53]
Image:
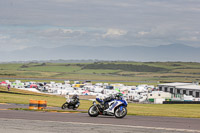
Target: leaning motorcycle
[115, 107]
[71, 103]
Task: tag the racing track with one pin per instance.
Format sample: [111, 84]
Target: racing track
[31, 121]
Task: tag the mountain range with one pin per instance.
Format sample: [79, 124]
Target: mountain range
[172, 52]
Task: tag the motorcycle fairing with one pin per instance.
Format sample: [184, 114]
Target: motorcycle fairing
[113, 104]
[99, 100]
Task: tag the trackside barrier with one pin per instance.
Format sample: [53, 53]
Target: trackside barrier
[181, 102]
[42, 104]
[37, 104]
[33, 104]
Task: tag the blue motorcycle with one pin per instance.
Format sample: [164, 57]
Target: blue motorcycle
[113, 106]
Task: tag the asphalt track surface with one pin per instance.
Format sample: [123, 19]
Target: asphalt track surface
[13, 121]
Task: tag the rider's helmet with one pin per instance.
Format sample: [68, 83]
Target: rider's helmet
[75, 96]
[119, 94]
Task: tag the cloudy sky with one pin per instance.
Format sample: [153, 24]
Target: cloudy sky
[52, 23]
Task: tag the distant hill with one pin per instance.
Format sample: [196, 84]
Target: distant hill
[173, 52]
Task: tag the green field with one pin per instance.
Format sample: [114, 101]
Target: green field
[108, 71]
[170, 110]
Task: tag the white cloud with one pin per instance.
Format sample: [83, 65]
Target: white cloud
[67, 31]
[192, 38]
[114, 33]
[2, 37]
[142, 33]
[10, 44]
[11, 40]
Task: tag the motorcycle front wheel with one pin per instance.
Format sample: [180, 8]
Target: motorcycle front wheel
[64, 106]
[120, 113]
[93, 111]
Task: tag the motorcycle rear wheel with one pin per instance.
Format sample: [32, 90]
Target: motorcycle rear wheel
[64, 106]
[120, 113]
[93, 111]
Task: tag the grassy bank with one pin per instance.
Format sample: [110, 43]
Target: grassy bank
[23, 97]
[109, 71]
[171, 110]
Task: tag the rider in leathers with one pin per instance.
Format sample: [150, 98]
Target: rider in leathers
[75, 99]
